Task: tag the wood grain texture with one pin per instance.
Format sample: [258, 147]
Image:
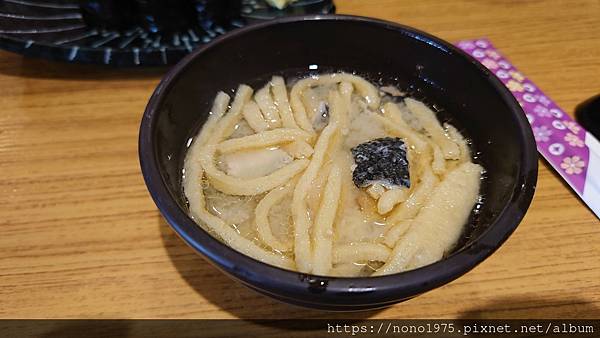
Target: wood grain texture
[81, 238]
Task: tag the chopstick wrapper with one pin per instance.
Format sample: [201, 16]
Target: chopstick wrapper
[572, 151]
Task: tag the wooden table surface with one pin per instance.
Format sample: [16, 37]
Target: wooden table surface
[81, 238]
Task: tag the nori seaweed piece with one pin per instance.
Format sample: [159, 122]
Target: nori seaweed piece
[381, 160]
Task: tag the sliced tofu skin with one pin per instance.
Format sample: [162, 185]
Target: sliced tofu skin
[431, 124]
[254, 163]
[439, 224]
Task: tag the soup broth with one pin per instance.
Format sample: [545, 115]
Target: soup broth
[331, 176]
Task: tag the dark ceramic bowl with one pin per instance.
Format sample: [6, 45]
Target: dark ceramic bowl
[470, 96]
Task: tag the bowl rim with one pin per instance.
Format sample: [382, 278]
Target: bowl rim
[293, 285]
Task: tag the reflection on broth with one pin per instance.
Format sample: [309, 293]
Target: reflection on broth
[331, 176]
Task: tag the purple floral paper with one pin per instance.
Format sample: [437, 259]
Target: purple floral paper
[559, 139]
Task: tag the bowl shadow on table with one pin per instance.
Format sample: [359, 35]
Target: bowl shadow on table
[231, 296]
[20, 66]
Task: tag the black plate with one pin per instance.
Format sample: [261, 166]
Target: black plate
[98, 31]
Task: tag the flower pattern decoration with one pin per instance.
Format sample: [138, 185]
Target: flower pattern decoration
[489, 64]
[515, 86]
[529, 98]
[543, 100]
[504, 64]
[556, 149]
[558, 125]
[493, 54]
[466, 45]
[478, 53]
[517, 76]
[572, 126]
[502, 74]
[573, 140]
[559, 139]
[541, 111]
[572, 165]
[556, 113]
[529, 87]
[542, 134]
[482, 44]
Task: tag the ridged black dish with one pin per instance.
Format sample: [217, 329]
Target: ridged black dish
[130, 32]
